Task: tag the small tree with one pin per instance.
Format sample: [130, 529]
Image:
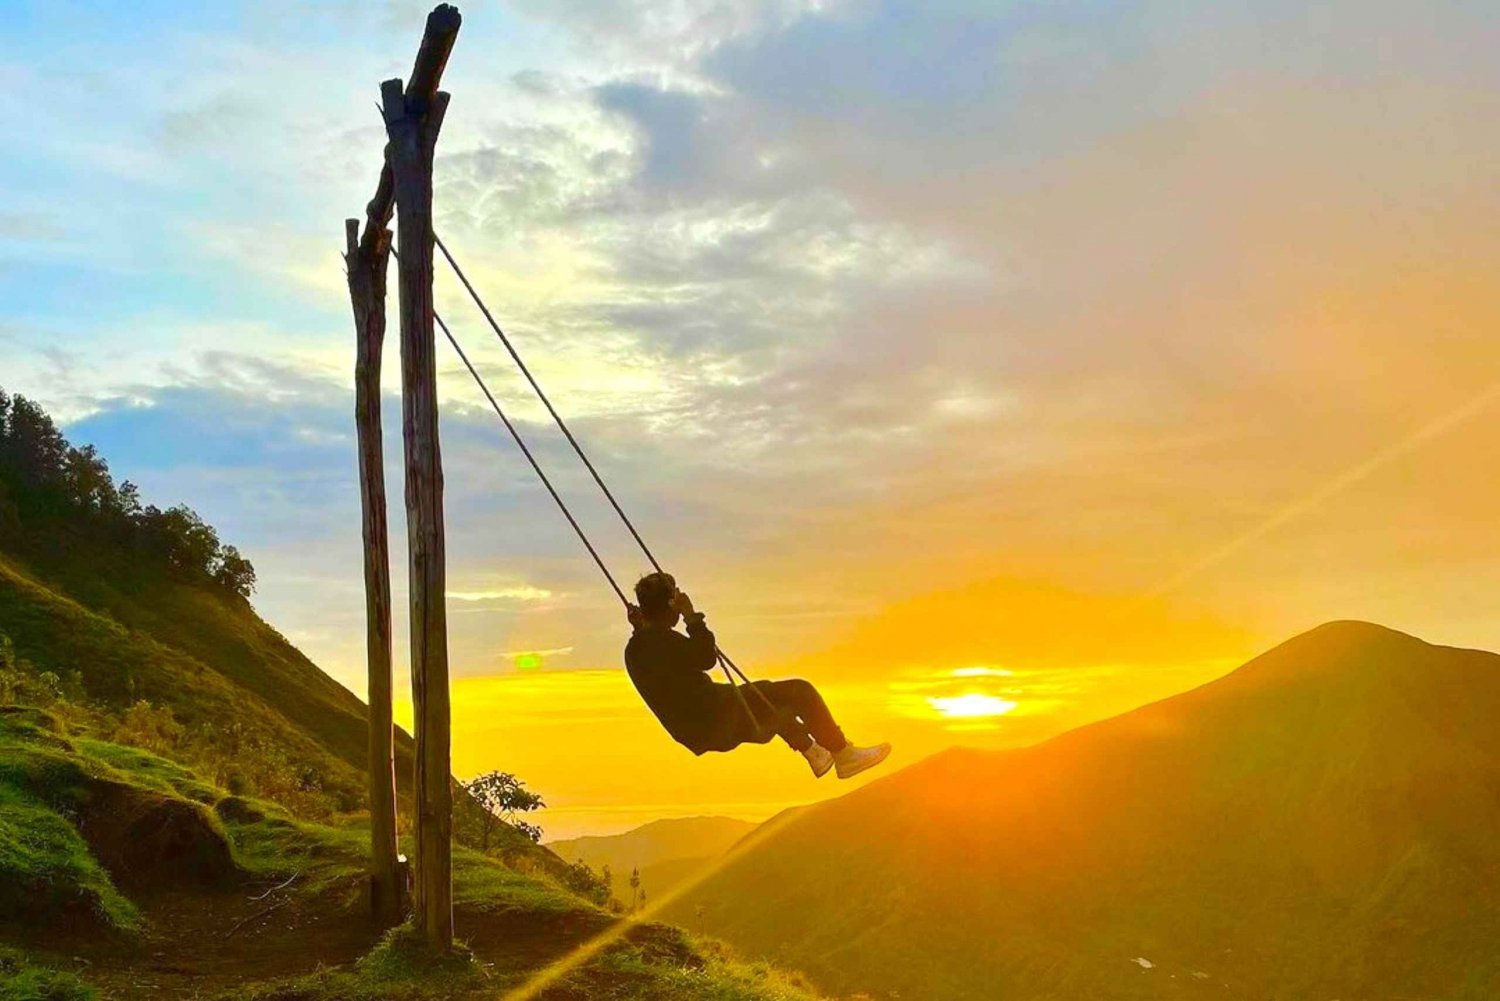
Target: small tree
[235, 573]
[500, 797]
[635, 887]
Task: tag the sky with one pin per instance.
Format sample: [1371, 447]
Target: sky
[997, 366]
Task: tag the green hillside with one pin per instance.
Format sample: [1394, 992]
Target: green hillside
[289, 742]
[138, 619]
[124, 604]
[125, 875]
[1321, 823]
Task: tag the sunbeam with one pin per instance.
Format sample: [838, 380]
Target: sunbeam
[1332, 488]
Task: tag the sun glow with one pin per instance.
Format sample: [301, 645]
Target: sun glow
[971, 704]
[981, 672]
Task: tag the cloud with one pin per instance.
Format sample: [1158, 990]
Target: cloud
[665, 34]
[517, 592]
[29, 226]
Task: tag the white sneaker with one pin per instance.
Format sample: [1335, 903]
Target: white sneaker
[853, 760]
[819, 760]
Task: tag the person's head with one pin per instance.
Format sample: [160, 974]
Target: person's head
[655, 594]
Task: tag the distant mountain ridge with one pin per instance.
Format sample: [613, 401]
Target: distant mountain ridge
[1322, 822]
[666, 852]
[658, 840]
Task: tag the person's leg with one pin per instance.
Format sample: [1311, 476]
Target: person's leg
[779, 717]
[800, 700]
[737, 718]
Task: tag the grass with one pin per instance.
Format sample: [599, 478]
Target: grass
[402, 957]
[282, 725]
[150, 770]
[482, 884]
[35, 758]
[325, 855]
[400, 969]
[630, 974]
[326, 860]
[47, 873]
[23, 980]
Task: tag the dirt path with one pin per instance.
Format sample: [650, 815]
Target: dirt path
[201, 946]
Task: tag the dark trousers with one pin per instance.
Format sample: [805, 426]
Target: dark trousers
[797, 714]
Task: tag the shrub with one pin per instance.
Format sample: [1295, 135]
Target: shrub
[21, 981]
[152, 728]
[589, 885]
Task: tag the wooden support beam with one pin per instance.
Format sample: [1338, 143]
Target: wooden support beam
[426, 73]
[367, 287]
[416, 122]
[412, 127]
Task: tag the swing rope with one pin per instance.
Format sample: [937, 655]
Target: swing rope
[536, 466]
[536, 387]
[728, 666]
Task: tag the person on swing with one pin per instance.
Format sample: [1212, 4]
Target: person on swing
[671, 671]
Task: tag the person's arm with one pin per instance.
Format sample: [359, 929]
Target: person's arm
[703, 651]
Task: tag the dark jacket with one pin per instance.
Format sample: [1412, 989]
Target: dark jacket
[670, 671]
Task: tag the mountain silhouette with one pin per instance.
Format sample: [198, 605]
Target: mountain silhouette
[1323, 822]
[664, 853]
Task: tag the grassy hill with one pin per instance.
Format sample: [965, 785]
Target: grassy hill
[666, 852]
[122, 605]
[138, 620]
[245, 700]
[1321, 823]
[127, 875]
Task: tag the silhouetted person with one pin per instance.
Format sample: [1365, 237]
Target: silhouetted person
[670, 671]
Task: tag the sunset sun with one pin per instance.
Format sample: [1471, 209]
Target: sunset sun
[971, 704]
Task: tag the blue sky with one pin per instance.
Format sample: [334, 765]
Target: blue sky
[855, 301]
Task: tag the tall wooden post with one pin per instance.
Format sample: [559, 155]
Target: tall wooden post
[413, 120]
[367, 270]
[412, 125]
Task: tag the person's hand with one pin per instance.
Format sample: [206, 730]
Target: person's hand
[635, 615]
[683, 604]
